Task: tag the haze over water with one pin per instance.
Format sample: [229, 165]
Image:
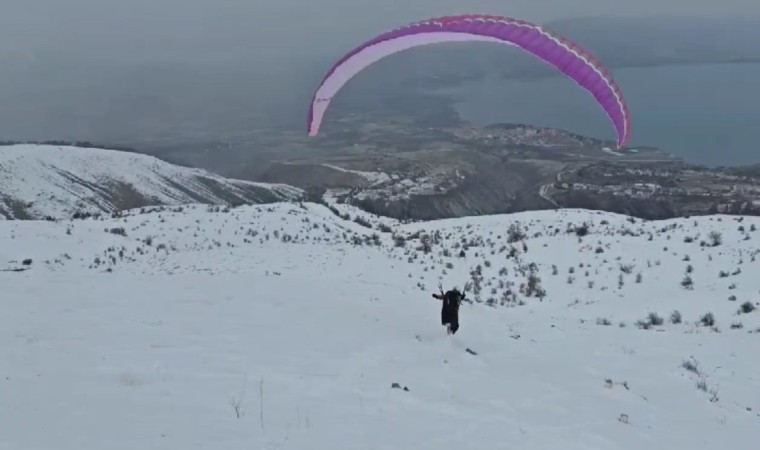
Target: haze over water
[706, 114]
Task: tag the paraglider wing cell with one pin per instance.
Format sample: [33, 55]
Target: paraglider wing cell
[564, 55]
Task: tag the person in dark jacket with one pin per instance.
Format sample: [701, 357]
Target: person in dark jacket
[451, 300]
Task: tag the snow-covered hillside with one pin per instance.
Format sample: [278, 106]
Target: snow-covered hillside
[38, 181]
[285, 327]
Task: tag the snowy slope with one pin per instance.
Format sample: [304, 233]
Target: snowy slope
[41, 180]
[284, 327]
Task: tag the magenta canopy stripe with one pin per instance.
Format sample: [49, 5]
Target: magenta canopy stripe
[568, 57]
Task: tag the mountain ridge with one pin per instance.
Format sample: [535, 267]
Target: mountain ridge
[46, 181]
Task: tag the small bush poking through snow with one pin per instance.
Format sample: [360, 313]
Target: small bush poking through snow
[652, 320]
[118, 231]
[643, 324]
[581, 230]
[626, 268]
[708, 320]
[691, 365]
[746, 308]
[515, 233]
[714, 395]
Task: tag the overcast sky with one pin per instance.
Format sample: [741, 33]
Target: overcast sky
[92, 69]
[161, 28]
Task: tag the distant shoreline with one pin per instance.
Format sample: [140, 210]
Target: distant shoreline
[459, 92]
[535, 76]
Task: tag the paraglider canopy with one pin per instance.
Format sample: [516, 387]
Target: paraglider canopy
[569, 58]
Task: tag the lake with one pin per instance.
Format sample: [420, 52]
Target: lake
[707, 114]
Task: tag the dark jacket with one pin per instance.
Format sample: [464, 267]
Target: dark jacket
[450, 308]
[451, 299]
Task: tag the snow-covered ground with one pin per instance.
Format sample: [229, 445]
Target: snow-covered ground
[284, 327]
[434, 181]
[332, 198]
[372, 177]
[59, 181]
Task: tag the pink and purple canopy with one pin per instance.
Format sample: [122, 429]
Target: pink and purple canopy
[558, 51]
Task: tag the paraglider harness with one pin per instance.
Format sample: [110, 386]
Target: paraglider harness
[450, 307]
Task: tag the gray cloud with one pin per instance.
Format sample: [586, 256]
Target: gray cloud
[179, 28]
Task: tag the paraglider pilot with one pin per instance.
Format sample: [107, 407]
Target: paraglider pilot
[451, 300]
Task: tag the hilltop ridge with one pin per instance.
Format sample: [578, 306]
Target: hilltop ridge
[38, 181]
